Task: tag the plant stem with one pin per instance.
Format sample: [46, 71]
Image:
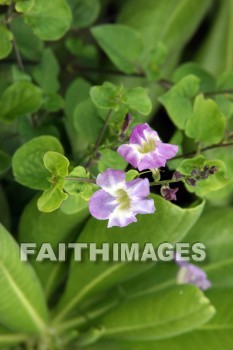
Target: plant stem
[15, 46]
[208, 148]
[99, 139]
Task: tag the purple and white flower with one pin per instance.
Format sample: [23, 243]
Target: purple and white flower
[191, 274]
[145, 149]
[119, 201]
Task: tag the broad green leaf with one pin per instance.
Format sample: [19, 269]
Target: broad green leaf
[77, 92]
[153, 61]
[87, 121]
[214, 335]
[51, 200]
[178, 100]
[107, 96]
[6, 38]
[171, 223]
[22, 304]
[85, 12]
[27, 162]
[216, 53]
[207, 124]
[37, 227]
[24, 5]
[56, 163]
[122, 44]
[131, 175]
[74, 204]
[18, 75]
[30, 46]
[225, 101]
[213, 182]
[138, 100]
[111, 159]
[48, 20]
[158, 315]
[207, 81]
[46, 74]
[52, 102]
[5, 162]
[19, 99]
[214, 230]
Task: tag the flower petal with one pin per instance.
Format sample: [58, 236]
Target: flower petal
[192, 274]
[138, 188]
[166, 150]
[121, 218]
[143, 206]
[130, 153]
[151, 161]
[102, 205]
[111, 180]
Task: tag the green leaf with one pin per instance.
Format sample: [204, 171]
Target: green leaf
[138, 100]
[213, 182]
[27, 162]
[214, 230]
[207, 124]
[38, 227]
[158, 315]
[207, 81]
[122, 44]
[216, 53]
[131, 175]
[111, 159]
[56, 163]
[19, 99]
[18, 75]
[5, 212]
[171, 223]
[74, 204]
[85, 12]
[22, 304]
[24, 5]
[5, 162]
[6, 38]
[46, 74]
[107, 96]
[87, 121]
[153, 61]
[178, 100]
[30, 46]
[48, 20]
[52, 102]
[74, 187]
[51, 200]
[214, 335]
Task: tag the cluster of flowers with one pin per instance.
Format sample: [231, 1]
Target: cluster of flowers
[119, 201]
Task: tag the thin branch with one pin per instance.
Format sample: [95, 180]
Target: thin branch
[15, 46]
[98, 141]
[193, 153]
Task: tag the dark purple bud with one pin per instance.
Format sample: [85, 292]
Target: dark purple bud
[206, 168]
[213, 169]
[122, 137]
[126, 123]
[177, 176]
[98, 155]
[204, 175]
[169, 193]
[191, 182]
[194, 172]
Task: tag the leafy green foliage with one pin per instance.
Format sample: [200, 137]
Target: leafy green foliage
[49, 21]
[85, 12]
[6, 38]
[178, 100]
[27, 162]
[207, 124]
[22, 302]
[122, 44]
[19, 99]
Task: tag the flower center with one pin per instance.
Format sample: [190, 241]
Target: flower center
[147, 146]
[123, 200]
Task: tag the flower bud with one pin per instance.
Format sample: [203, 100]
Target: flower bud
[169, 193]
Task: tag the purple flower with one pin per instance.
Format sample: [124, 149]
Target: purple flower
[189, 273]
[169, 193]
[119, 201]
[146, 150]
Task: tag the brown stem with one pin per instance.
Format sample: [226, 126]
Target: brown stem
[98, 141]
[220, 145]
[15, 46]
